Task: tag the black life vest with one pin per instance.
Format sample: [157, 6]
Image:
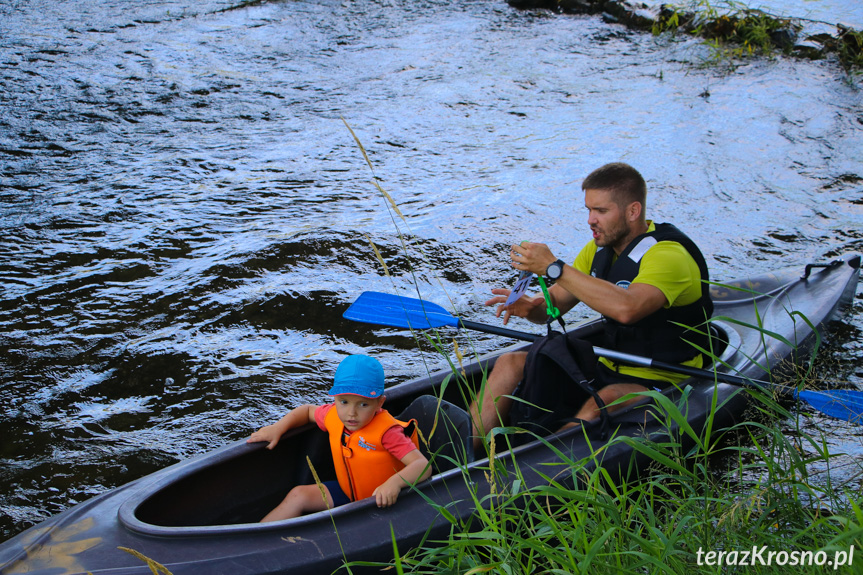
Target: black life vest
[658, 336]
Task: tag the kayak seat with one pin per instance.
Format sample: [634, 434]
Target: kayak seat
[444, 431]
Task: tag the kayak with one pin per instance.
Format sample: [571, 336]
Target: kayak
[200, 516]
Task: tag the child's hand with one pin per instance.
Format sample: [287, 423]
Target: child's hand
[295, 418]
[386, 495]
[416, 469]
[270, 434]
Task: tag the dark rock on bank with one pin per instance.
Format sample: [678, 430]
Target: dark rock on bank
[782, 34]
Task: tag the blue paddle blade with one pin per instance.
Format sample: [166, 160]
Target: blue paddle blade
[845, 404]
[397, 311]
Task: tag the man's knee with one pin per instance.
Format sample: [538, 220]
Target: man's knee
[487, 409]
[512, 360]
[508, 371]
[611, 393]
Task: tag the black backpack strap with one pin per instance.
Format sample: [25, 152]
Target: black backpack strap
[582, 353]
[558, 378]
[550, 320]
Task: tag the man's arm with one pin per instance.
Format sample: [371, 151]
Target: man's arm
[626, 306]
[623, 305]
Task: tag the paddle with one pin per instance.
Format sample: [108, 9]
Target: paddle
[399, 311]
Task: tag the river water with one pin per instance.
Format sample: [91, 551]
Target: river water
[184, 214]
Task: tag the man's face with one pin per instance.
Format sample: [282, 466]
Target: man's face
[606, 219]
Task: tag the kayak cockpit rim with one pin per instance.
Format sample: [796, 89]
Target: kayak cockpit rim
[150, 487]
[129, 519]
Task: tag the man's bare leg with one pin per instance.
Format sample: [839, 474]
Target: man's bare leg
[508, 371]
[609, 394]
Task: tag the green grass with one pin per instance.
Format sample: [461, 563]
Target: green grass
[850, 48]
[754, 492]
[740, 490]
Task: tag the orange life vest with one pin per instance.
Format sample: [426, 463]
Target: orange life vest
[362, 462]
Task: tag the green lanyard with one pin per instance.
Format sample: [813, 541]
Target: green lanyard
[552, 312]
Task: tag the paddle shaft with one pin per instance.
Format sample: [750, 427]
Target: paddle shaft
[493, 329]
[630, 359]
[846, 405]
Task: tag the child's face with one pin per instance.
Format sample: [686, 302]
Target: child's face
[355, 411]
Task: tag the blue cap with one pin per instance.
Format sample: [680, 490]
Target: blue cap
[359, 375]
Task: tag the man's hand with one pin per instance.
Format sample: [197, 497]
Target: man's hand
[532, 257]
[522, 307]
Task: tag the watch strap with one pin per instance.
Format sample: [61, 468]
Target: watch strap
[560, 264]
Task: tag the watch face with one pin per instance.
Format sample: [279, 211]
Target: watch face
[554, 270]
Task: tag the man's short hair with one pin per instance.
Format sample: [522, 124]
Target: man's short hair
[622, 180]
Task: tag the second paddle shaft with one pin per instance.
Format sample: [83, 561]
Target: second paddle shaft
[629, 359]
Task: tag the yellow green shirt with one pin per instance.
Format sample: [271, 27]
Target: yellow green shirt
[668, 267]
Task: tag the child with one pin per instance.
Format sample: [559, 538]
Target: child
[371, 453]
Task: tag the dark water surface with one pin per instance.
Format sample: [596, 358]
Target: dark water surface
[184, 215]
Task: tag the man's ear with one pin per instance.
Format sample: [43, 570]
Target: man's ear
[633, 211]
[382, 399]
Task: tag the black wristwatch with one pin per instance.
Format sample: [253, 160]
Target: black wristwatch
[554, 270]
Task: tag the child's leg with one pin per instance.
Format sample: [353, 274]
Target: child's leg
[300, 500]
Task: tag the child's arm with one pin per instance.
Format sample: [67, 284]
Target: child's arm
[416, 469]
[295, 418]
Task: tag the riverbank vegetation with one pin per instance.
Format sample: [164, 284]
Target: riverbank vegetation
[734, 30]
[729, 27]
[744, 499]
[740, 500]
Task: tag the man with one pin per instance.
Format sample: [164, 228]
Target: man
[644, 279]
